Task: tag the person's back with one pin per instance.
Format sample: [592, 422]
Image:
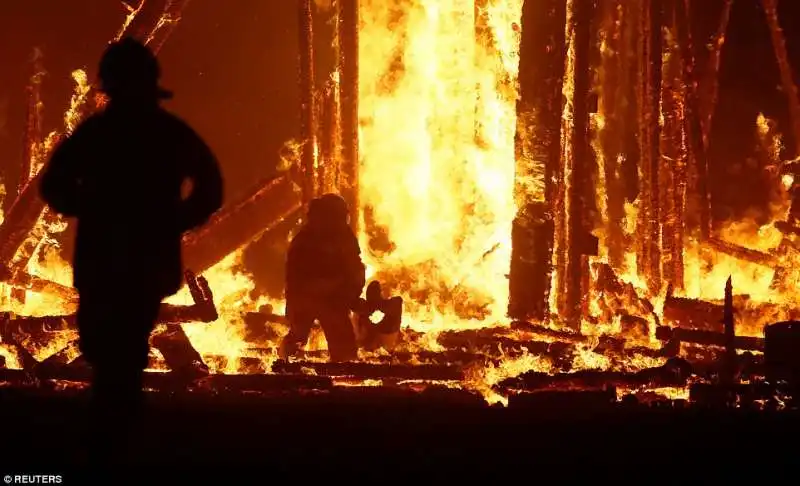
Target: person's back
[324, 262]
[131, 164]
[324, 278]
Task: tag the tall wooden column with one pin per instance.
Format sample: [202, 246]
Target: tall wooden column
[348, 23]
[538, 153]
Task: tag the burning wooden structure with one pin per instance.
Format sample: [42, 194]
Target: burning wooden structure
[602, 87]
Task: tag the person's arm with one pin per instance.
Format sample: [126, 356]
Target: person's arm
[203, 173]
[60, 179]
[356, 271]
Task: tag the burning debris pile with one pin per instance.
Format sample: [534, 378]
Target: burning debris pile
[486, 149]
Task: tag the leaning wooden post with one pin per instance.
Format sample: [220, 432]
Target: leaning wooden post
[787, 77]
[308, 160]
[709, 87]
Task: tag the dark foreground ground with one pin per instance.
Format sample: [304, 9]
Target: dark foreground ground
[372, 434]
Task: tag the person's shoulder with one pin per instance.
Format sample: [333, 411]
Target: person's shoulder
[175, 123]
[91, 123]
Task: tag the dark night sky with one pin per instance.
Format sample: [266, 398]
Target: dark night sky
[232, 65]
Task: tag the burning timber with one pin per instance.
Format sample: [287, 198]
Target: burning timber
[537, 149]
[271, 202]
[151, 21]
[673, 374]
[203, 310]
[636, 60]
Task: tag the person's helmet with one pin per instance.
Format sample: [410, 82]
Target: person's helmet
[327, 209]
[374, 292]
[128, 67]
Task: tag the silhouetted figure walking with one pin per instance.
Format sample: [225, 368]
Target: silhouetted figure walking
[124, 174]
[324, 280]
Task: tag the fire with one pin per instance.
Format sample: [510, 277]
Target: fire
[437, 143]
[438, 91]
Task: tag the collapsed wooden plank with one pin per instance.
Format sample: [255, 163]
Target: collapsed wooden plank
[178, 352]
[689, 313]
[707, 338]
[675, 372]
[11, 337]
[369, 371]
[203, 310]
[495, 346]
[743, 253]
[616, 297]
[26, 281]
[266, 383]
[269, 203]
[171, 382]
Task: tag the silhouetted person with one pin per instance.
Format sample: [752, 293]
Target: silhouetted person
[324, 279]
[124, 174]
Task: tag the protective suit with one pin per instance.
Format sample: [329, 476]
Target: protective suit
[324, 280]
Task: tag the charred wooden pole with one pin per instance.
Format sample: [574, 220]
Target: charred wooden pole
[628, 89]
[730, 365]
[709, 86]
[671, 173]
[577, 150]
[787, 76]
[308, 131]
[693, 117]
[649, 223]
[169, 19]
[348, 24]
[611, 99]
[538, 173]
[143, 19]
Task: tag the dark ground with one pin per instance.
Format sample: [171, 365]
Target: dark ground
[368, 435]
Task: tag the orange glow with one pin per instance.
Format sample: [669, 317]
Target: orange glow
[437, 121]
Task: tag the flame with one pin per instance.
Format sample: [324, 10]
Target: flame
[437, 122]
[438, 180]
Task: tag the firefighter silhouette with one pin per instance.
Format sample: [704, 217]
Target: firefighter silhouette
[324, 280]
[122, 175]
